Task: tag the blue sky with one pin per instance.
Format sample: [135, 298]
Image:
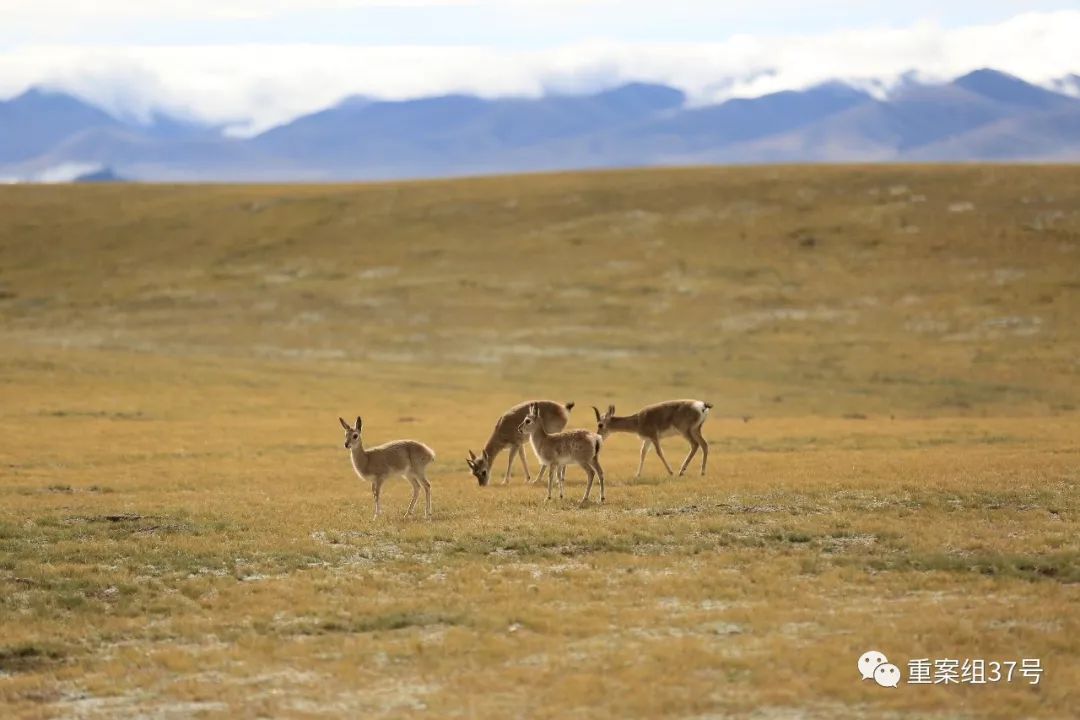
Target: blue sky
[254, 63]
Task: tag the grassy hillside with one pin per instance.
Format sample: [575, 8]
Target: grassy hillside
[893, 357]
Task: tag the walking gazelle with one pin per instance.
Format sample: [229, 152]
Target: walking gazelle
[407, 458]
[650, 423]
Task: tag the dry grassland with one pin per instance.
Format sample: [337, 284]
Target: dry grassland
[181, 534]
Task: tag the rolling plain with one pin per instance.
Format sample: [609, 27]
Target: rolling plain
[894, 358]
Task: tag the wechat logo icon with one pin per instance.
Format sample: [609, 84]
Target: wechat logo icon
[873, 665]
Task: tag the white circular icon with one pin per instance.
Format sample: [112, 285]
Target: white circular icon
[887, 675]
[869, 662]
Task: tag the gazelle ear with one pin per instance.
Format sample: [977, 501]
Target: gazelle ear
[359, 422]
[610, 410]
[472, 455]
[344, 424]
[597, 411]
[470, 463]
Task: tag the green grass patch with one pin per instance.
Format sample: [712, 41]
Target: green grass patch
[28, 657]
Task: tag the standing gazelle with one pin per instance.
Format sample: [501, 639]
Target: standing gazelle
[505, 435]
[407, 458]
[650, 423]
[558, 449]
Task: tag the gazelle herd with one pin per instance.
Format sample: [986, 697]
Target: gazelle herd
[507, 434]
[541, 424]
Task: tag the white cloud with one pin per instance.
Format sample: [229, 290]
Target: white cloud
[47, 10]
[257, 86]
[65, 172]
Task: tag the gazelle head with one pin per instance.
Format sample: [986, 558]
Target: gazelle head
[602, 421]
[480, 466]
[352, 434]
[531, 422]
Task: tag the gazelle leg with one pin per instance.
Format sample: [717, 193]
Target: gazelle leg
[660, 454]
[376, 489]
[510, 463]
[644, 451]
[704, 444]
[427, 491]
[588, 485]
[524, 463]
[562, 480]
[415, 493]
[552, 471]
[600, 472]
[693, 451]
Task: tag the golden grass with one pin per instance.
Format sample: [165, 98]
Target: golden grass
[181, 533]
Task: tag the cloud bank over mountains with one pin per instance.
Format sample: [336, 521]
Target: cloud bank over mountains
[985, 115]
[248, 89]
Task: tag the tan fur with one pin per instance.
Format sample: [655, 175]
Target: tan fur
[674, 417]
[408, 458]
[505, 435]
[558, 449]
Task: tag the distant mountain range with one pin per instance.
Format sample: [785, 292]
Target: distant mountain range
[983, 116]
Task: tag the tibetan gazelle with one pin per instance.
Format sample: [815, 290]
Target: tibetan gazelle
[675, 417]
[407, 458]
[556, 450]
[505, 435]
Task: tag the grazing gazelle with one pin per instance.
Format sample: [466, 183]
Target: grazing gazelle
[505, 435]
[675, 417]
[407, 458]
[556, 450]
